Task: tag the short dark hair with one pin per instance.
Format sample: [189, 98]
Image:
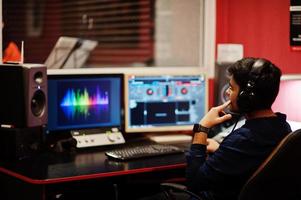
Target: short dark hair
[267, 81]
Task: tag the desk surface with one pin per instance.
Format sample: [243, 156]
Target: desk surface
[85, 164]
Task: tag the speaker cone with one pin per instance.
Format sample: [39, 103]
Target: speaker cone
[38, 103]
[223, 93]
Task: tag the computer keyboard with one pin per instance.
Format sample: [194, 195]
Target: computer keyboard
[143, 151]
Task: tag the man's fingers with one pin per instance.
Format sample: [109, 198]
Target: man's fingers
[225, 117]
[224, 105]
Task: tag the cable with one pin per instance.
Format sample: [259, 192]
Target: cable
[235, 123]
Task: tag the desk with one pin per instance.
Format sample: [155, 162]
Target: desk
[50, 175]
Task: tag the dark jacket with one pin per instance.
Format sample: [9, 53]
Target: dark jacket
[222, 174]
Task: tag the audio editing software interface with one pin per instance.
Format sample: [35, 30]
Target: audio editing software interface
[165, 101]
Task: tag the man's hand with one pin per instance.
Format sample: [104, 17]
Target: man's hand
[213, 117]
[212, 145]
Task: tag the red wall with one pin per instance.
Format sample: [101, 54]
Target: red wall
[262, 26]
[36, 48]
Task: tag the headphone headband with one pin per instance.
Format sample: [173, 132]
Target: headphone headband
[247, 99]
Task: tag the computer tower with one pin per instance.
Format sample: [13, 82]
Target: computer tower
[23, 101]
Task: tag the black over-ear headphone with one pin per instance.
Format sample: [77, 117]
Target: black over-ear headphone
[247, 99]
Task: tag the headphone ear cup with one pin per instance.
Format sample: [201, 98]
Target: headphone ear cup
[245, 101]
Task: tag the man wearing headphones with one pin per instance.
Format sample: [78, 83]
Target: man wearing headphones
[253, 87]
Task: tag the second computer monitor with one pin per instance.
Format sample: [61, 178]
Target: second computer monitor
[168, 102]
[289, 98]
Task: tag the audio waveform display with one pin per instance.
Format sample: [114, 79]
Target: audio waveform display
[84, 103]
[79, 98]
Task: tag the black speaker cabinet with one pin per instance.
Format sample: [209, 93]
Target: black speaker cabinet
[20, 143]
[23, 98]
[221, 86]
[221, 83]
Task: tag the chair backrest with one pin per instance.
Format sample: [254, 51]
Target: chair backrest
[279, 177]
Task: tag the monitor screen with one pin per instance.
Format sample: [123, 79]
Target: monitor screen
[289, 98]
[84, 101]
[164, 102]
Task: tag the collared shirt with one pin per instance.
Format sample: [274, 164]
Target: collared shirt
[222, 174]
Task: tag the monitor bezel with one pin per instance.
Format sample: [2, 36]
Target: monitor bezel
[70, 74]
[150, 73]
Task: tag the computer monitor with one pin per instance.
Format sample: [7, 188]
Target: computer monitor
[289, 98]
[84, 101]
[167, 102]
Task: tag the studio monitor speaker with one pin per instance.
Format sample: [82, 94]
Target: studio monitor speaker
[23, 101]
[221, 83]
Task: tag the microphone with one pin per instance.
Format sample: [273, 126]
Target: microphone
[77, 45]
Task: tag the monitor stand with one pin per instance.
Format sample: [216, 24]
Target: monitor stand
[97, 137]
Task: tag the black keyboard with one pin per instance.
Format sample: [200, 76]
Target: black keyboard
[143, 151]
